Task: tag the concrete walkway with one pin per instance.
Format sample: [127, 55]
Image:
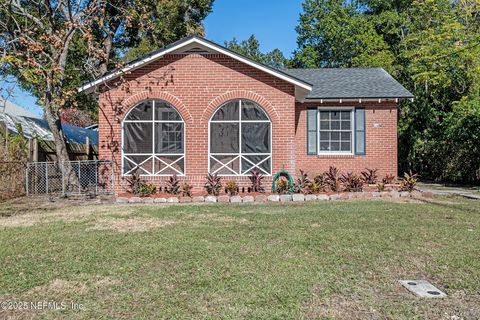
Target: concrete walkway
[439, 189]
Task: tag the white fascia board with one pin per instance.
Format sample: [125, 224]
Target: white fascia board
[132, 67]
[159, 55]
[359, 100]
[257, 66]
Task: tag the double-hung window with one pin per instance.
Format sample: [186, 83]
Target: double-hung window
[336, 131]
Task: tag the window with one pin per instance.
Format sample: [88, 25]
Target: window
[153, 140]
[240, 139]
[336, 131]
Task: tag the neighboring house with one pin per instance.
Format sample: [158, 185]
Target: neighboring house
[10, 108]
[34, 127]
[195, 107]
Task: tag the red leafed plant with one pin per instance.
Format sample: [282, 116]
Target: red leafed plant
[173, 184]
[213, 184]
[256, 181]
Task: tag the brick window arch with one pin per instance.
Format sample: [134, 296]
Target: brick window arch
[240, 139]
[153, 134]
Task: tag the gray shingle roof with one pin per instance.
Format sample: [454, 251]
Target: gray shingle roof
[345, 83]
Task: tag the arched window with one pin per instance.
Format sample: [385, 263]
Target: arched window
[240, 139]
[153, 140]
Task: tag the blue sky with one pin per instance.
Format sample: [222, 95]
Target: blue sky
[272, 21]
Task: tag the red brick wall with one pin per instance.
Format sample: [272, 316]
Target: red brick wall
[381, 142]
[197, 85]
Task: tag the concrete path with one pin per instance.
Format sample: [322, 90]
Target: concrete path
[438, 189]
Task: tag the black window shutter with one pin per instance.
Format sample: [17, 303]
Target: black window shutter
[312, 131]
[360, 132]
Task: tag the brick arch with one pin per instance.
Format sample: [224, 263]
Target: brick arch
[239, 94]
[161, 95]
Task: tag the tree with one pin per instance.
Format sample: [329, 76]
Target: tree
[251, 48]
[50, 47]
[164, 22]
[430, 46]
[334, 33]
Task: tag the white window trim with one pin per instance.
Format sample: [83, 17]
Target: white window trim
[239, 155]
[153, 156]
[352, 130]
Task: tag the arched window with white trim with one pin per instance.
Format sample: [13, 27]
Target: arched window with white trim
[153, 135]
[240, 139]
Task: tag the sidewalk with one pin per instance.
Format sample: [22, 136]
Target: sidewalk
[439, 189]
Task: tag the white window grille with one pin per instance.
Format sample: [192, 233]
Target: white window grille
[335, 131]
[240, 139]
[153, 134]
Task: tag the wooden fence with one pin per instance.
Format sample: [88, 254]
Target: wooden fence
[44, 151]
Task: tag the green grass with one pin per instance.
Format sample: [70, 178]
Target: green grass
[313, 260]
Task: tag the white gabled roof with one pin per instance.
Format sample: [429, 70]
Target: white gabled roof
[192, 44]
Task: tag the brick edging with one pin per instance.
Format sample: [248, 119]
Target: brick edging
[297, 197]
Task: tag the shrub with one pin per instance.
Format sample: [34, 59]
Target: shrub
[173, 184]
[256, 181]
[381, 186]
[332, 179]
[315, 187]
[134, 181]
[146, 189]
[409, 181]
[138, 186]
[282, 185]
[232, 187]
[388, 179]
[320, 183]
[352, 182]
[213, 184]
[303, 183]
[186, 189]
[369, 176]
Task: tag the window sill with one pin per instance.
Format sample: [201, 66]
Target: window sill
[334, 155]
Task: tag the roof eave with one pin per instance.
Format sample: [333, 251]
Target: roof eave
[359, 99]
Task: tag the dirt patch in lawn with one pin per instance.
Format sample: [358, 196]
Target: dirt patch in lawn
[71, 214]
[204, 217]
[42, 204]
[58, 288]
[134, 224]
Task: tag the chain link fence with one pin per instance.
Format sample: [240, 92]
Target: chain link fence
[70, 177]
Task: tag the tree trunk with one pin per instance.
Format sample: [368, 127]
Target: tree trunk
[70, 179]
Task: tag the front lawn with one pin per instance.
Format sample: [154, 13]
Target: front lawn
[312, 260]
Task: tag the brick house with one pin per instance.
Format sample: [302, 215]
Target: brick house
[195, 107]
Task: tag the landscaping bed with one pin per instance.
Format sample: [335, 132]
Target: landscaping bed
[250, 198]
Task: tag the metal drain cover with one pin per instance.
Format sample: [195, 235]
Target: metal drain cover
[422, 288]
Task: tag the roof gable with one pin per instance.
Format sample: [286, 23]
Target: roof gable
[196, 44]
